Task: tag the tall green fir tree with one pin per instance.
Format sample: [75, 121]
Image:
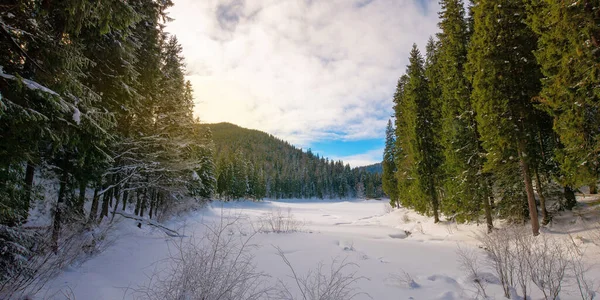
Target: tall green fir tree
[390, 184]
[505, 78]
[569, 53]
[418, 158]
[466, 187]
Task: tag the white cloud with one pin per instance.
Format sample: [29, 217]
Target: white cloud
[358, 160]
[303, 70]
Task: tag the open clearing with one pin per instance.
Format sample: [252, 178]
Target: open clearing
[385, 245]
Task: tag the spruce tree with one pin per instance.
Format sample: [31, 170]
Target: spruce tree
[466, 185]
[505, 78]
[390, 184]
[418, 154]
[569, 43]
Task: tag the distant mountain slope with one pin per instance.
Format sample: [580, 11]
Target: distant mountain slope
[373, 169]
[255, 164]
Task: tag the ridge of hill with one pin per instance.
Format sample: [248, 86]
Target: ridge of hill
[254, 164]
[374, 168]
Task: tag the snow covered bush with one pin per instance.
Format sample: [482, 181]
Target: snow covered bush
[278, 221]
[519, 259]
[27, 261]
[404, 279]
[469, 263]
[219, 264]
[216, 265]
[16, 246]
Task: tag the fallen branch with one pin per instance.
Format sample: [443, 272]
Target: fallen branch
[168, 231]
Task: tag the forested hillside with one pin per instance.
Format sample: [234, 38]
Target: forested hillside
[374, 168]
[500, 115]
[254, 164]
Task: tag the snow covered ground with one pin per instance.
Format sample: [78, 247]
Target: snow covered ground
[383, 244]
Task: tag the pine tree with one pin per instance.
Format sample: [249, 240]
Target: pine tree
[239, 188]
[204, 180]
[505, 78]
[418, 153]
[569, 42]
[390, 184]
[404, 158]
[466, 186]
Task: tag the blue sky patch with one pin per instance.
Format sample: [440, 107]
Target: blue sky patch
[338, 148]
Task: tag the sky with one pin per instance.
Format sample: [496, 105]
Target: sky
[319, 74]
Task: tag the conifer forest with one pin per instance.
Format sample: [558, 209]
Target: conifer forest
[503, 105]
[497, 117]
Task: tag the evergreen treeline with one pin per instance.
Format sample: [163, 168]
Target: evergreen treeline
[93, 97]
[503, 106]
[374, 168]
[254, 164]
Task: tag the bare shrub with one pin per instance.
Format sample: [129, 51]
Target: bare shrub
[38, 264]
[388, 208]
[404, 279]
[333, 283]
[548, 265]
[500, 258]
[579, 271]
[519, 259]
[405, 218]
[451, 227]
[469, 262]
[217, 265]
[522, 256]
[278, 221]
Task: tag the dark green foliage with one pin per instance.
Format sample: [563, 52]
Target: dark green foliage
[465, 185]
[93, 95]
[569, 52]
[418, 158]
[478, 127]
[254, 164]
[388, 177]
[505, 78]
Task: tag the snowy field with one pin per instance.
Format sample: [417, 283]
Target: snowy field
[384, 245]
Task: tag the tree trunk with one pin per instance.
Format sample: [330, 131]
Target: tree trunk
[115, 191]
[436, 208]
[535, 225]
[143, 204]
[152, 200]
[29, 173]
[59, 208]
[117, 200]
[94, 208]
[540, 190]
[104, 210]
[106, 198]
[81, 199]
[434, 201]
[125, 197]
[593, 188]
[488, 214]
[570, 200]
[138, 203]
[487, 203]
